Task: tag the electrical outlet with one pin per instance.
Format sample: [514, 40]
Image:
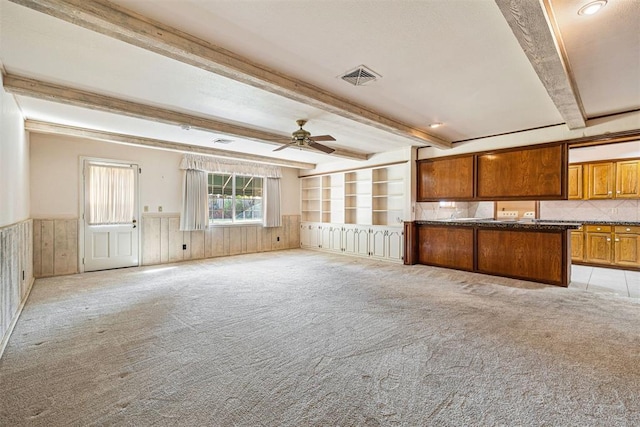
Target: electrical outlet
[146, 208]
[278, 239]
[184, 247]
[508, 214]
[159, 208]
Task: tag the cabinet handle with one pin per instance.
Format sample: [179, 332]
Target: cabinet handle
[618, 191]
[617, 240]
[608, 239]
[609, 192]
[628, 229]
[598, 229]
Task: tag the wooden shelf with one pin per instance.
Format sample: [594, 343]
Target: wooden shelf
[354, 197]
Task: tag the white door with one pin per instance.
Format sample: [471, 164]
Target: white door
[110, 216]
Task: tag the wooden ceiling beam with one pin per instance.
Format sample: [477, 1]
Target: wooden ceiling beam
[534, 26]
[58, 129]
[125, 25]
[24, 86]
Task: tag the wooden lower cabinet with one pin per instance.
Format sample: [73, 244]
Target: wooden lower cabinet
[613, 246]
[538, 255]
[530, 255]
[446, 247]
[598, 248]
[627, 246]
[577, 245]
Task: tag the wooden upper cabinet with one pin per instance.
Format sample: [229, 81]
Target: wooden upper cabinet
[627, 179]
[527, 174]
[445, 179]
[600, 180]
[574, 182]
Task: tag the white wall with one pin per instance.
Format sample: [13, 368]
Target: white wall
[55, 176]
[596, 127]
[14, 162]
[622, 150]
[290, 188]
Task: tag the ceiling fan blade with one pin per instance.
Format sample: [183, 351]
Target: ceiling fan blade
[322, 138]
[321, 147]
[285, 146]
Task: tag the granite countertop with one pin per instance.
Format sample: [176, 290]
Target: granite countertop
[505, 224]
[598, 222]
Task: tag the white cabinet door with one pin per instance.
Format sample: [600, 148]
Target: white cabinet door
[309, 235]
[336, 238]
[362, 240]
[350, 238]
[395, 244]
[377, 242]
[325, 236]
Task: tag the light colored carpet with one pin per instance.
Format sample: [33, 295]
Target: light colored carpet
[302, 338]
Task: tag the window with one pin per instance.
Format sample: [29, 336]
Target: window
[234, 198]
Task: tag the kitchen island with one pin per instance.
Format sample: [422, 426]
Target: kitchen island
[533, 250]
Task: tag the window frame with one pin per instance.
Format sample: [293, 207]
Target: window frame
[233, 220]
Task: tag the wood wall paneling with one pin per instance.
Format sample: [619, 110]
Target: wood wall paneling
[65, 247]
[16, 274]
[151, 243]
[55, 247]
[47, 233]
[197, 244]
[175, 240]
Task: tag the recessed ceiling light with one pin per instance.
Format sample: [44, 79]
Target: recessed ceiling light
[222, 141]
[185, 127]
[435, 125]
[592, 8]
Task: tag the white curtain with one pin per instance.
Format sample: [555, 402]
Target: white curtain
[111, 194]
[195, 205]
[272, 217]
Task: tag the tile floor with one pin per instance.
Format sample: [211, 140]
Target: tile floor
[618, 282]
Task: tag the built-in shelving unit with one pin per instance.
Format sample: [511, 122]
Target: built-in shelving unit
[311, 199]
[357, 212]
[387, 196]
[374, 196]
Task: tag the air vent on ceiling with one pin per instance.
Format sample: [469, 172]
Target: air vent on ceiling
[360, 76]
[222, 141]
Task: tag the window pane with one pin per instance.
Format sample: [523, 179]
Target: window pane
[220, 197]
[247, 199]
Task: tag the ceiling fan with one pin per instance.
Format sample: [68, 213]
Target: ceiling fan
[302, 138]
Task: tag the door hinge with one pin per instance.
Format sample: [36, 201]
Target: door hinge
[139, 170]
[82, 261]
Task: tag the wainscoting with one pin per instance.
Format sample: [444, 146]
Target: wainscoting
[55, 247]
[16, 274]
[162, 240]
[55, 241]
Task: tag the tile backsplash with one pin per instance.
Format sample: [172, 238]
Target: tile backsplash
[584, 210]
[433, 210]
[581, 210]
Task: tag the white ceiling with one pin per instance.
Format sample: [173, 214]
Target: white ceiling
[456, 62]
